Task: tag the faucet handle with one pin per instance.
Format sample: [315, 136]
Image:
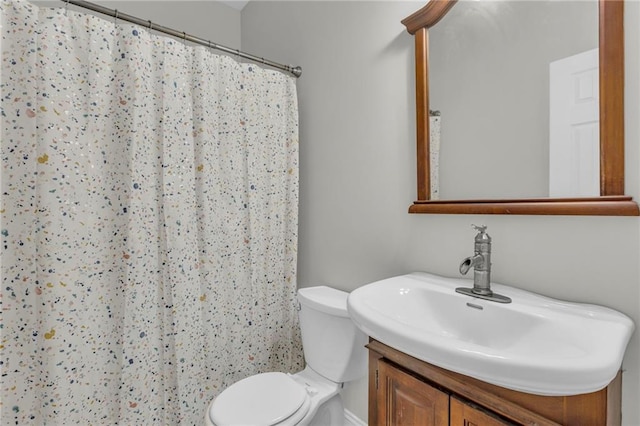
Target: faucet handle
[480, 228]
[481, 236]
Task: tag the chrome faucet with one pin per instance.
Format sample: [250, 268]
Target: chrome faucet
[481, 264]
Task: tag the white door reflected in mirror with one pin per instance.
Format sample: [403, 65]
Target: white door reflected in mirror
[574, 143]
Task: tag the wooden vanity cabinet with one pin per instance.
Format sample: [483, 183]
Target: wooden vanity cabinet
[405, 391]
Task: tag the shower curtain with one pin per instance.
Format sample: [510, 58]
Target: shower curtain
[149, 222]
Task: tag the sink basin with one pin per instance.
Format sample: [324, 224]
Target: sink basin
[535, 344]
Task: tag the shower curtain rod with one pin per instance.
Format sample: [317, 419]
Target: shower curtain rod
[296, 71]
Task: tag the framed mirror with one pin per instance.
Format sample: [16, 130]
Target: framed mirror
[610, 86]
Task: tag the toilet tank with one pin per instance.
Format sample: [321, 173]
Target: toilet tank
[333, 346]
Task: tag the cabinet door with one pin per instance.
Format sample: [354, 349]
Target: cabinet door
[405, 400]
[463, 414]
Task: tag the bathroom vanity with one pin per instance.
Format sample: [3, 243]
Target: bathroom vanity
[407, 391]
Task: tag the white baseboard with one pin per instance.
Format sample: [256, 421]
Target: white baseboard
[351, 419]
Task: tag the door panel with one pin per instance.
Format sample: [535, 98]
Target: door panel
[404, 400]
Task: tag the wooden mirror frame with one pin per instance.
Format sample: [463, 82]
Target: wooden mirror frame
[612, 201]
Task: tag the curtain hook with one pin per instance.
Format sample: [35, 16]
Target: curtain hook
[150, 25]
[66, 7]
[115, 17]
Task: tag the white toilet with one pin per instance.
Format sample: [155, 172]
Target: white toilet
[334, 352]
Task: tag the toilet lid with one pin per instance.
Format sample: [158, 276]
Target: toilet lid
[264, 399]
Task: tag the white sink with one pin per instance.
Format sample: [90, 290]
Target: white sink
[534, 344]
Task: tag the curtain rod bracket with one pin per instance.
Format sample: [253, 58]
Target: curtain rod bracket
[296, 71]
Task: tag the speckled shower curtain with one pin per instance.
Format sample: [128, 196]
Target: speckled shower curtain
[149, 222]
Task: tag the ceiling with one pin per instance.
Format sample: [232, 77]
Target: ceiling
[236, 4]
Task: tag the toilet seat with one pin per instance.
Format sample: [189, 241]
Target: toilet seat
[264, 399]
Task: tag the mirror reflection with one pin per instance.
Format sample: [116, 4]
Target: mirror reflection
[516, 86]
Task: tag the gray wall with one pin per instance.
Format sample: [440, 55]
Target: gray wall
[358, 164]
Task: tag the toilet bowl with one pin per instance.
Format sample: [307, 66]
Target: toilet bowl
[334, 352]
[278, 399]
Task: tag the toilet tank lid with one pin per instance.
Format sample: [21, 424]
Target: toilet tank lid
[325, 299]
